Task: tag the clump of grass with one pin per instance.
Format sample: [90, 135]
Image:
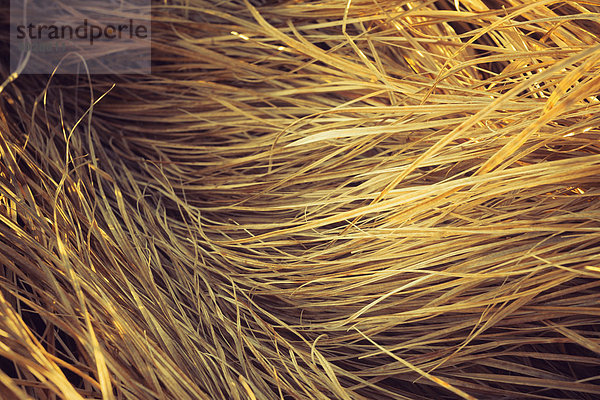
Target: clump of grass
[311, 200]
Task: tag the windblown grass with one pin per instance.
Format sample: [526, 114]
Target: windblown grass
[311, 200]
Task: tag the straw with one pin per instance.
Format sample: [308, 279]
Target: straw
[311, 200]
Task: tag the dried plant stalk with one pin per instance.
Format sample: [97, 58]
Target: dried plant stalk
[366, 199]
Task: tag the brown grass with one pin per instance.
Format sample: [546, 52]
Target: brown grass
[328, 199]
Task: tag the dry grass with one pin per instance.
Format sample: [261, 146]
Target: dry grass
[311, 200]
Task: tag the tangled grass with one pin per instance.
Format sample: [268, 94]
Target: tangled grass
[331, 199]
